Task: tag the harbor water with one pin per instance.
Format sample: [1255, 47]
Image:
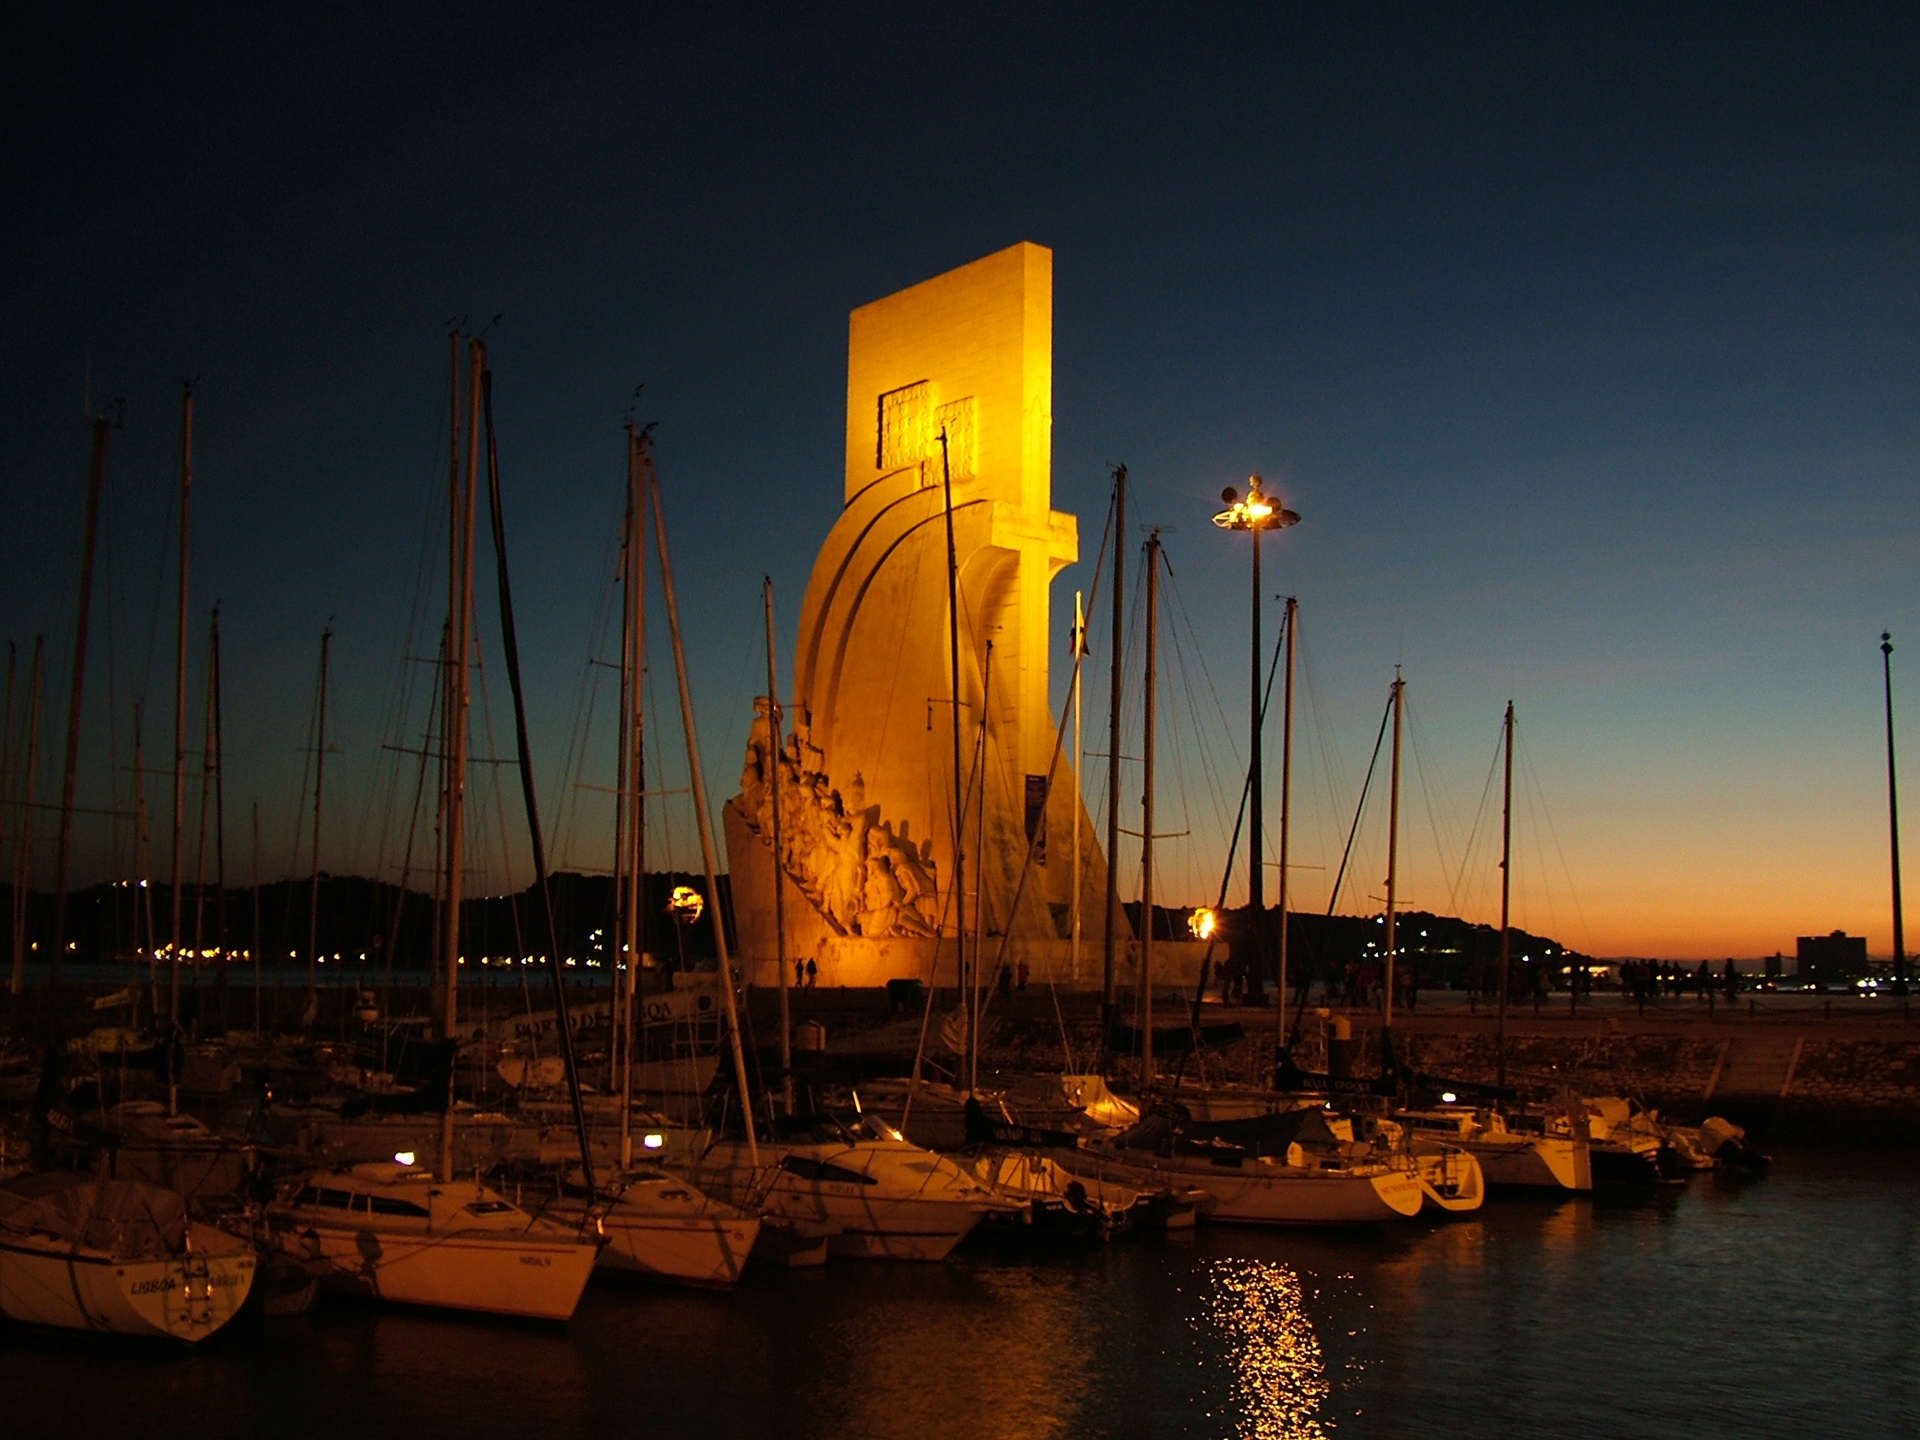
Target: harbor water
[1784, 1307]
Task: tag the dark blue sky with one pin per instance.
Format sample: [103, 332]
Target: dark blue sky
[1585, 339]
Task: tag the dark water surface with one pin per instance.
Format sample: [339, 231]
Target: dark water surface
[1783, 1308]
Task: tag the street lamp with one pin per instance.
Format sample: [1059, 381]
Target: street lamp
[1256, 512]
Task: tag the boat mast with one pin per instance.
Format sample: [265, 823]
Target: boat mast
[23, 858]
[707, 853]
[179, 721]
[1393, 865]
[774, 744]
[6, 774]
[979, 874]
[313, 884]
[959, 791]
[256, 917]
[1291, 621]
[206, 813]
[1113, 748]
[1506, 907]
[463, 496]
[1146, 817]
[523, 748]
[630, 818]
[96, 477]
[1893, 824]
[1079, 650]
[219, 803]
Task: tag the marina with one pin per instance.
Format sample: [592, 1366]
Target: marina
[881, 726]
[1674, 1317]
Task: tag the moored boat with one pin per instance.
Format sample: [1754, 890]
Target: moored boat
[389, 1230]
[886, 1199]
[660, 1227]
[116, 1256]
[1287, 1169]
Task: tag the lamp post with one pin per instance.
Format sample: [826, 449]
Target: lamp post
[1255, 513]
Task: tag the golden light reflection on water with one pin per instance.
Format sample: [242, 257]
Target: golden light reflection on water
[1257, 1313]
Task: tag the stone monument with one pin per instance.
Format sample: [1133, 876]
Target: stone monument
[865, 776]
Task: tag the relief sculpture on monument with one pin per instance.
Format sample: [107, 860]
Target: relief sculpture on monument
[861, 876]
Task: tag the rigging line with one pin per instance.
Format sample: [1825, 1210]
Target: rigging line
[1080, 648]
[1226, 871]
[511, 652]
[1573, 890]
[1486, 795]
[1209, 773]
[1329, 789]
[568, 822]
[1428, 783]
[1226, 728]
[1339, 878]
[1026, 864]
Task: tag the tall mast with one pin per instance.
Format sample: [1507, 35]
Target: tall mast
[15, 900]
[774, 744]
[980, 874]
[1506, 906]
[180, 713]
[463, 497]
[1114, 657]
[219, 794]
[1146, 816]
[1393, 863]
[256, 918]
[1291, 622]
[96, 478]
[961, 973]
[523, 748]
[207, 764]
[23, 857]
[707, 853]
[630, 822]
[1079, 650]
[313, 884]
[1893, 825]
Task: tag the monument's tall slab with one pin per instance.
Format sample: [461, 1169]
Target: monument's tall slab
[949, 393]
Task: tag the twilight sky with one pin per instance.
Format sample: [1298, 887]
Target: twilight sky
[1585, 338]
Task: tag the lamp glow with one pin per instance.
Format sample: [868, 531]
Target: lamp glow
[403, 1157]
[686, 904]
[1202, 923]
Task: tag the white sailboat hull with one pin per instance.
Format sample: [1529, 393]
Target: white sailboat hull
[1549, 1162]
[180, 1297]
[493, 1272]
[895, 1214]
[704, 1249]
[1261, 1193]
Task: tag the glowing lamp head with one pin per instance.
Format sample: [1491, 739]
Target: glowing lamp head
[403, 1157]
[1256, 512]
[686, 904]
[1202, 923]
[653, 1140]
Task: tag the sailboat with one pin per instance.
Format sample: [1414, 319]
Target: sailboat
[117, 1256]
[657, 1226]
[393, 1229]
[110, 1255]
[1543, 1150]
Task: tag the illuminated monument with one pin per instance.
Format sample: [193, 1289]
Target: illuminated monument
[865, 777]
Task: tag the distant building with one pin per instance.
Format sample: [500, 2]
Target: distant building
[1838, 956]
